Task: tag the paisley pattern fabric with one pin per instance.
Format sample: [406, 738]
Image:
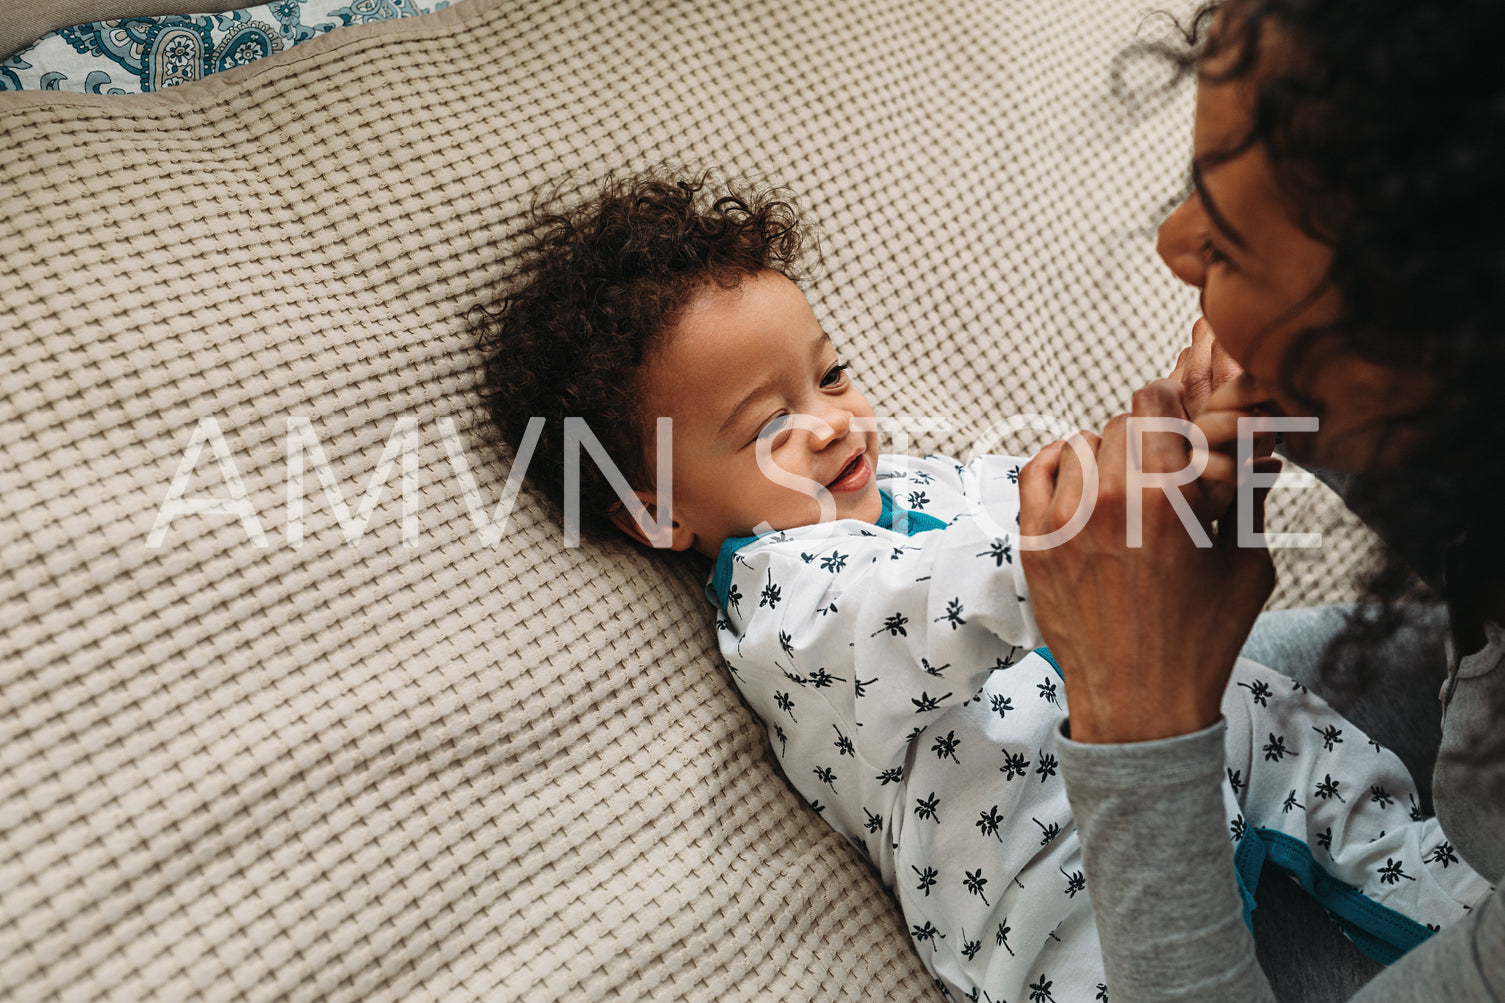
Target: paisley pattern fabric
[138, 54]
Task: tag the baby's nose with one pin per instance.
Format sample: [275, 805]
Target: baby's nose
[840, 419]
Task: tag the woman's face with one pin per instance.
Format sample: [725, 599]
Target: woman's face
[1263, 282]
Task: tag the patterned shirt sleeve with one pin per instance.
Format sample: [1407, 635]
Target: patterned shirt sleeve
[874, 632]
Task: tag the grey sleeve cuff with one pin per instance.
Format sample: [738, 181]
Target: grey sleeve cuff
[1158, 857]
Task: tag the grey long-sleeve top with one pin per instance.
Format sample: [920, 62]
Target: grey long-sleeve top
[1167, 908]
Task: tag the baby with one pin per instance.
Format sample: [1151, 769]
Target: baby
[872, 609]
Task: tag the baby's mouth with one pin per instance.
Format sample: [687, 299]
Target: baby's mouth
[851, 476]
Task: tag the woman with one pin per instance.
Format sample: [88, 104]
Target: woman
[1347, 237]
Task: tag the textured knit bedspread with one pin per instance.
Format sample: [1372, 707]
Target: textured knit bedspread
[292, 705]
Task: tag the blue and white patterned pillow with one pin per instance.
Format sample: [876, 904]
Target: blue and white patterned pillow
[137, 54]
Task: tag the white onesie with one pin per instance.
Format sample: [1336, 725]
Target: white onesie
[899, 672]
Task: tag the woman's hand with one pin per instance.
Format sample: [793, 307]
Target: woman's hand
[1216, 392]
[1205, 367]
[1146, 636]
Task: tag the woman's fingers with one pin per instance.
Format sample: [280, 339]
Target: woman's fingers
[1207, 372]
[1141, 461]
[1254, 500]
[1145, 625]
[1225, 368]
[1222, 430]
[1241, 393]
[1203, 367]
[1158, 429]
[1195, 361]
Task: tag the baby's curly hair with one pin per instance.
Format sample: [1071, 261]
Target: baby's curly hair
[597, 282]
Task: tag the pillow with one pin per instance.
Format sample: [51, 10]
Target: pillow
[24, 21]
[133, 55]
[358, 746]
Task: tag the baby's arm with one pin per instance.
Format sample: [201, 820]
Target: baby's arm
[888, 631]
[1322, 795]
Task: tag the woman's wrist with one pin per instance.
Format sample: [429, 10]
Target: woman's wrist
[1097, 717]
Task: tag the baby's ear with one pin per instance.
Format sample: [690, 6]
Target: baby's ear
[632, 523]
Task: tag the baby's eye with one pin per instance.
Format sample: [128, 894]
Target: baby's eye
[774, 426]
[835, 376]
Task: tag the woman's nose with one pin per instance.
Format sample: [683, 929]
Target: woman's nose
[1179, 243]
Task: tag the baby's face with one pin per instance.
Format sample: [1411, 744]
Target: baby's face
[748, 371]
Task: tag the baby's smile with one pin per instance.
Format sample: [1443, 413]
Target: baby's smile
[852, 477]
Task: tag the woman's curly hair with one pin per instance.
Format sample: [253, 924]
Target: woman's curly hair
[595, 284]
[1384, 121]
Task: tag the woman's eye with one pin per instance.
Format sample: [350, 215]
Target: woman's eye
[835, 376]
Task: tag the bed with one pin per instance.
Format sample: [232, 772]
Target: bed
[357, 738]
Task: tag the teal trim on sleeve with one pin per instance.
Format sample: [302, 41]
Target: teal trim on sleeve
[1248, 861]
[900, 520]
[903, 520]
[721, 576]
[1377, 930]
[886, 514]
[1044, 653]
[1380, 932]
